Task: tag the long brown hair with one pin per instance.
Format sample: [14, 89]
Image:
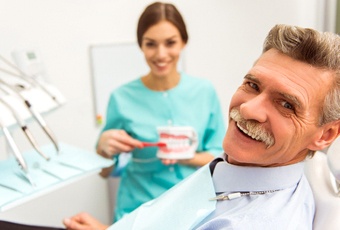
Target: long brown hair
[157, 12]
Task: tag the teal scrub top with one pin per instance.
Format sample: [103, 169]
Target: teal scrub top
[139, 110]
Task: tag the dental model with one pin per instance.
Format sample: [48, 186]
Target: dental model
[175, 143]
[181, 142]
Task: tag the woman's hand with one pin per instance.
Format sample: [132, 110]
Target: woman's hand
[169, 161]
[115, 141]
[83, 221]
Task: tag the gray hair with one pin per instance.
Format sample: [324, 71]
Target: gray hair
[319, 49]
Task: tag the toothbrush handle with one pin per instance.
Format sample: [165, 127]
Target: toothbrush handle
[153, 144]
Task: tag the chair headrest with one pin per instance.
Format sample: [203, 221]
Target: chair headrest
[333, 158]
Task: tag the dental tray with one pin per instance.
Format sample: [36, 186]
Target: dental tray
[68, 166]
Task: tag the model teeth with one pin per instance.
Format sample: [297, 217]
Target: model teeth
[253, 136]
[176, 143]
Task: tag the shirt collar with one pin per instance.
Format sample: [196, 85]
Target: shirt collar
[233, 178]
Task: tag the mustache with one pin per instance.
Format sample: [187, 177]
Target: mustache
[252, 128]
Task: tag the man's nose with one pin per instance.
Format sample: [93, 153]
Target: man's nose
[255, 108]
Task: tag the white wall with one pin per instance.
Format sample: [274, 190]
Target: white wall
[225, 38]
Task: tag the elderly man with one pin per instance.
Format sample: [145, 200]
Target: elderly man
[287, 107]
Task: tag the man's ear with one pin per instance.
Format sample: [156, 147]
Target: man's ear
[328, 134]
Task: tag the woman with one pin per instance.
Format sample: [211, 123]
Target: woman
[160, 98]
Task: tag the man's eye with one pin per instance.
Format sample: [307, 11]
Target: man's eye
[287, 105]
[253, 85]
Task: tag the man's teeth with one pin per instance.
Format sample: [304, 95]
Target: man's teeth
[253, 136]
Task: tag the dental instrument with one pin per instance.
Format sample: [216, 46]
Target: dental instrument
[23, 127]
[33, 111]
[18, 156]
[31, 80]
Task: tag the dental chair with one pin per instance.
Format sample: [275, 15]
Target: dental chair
[323, 174]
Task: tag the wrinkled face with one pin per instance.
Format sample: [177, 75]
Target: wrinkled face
[162, 45]
[274, 113]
